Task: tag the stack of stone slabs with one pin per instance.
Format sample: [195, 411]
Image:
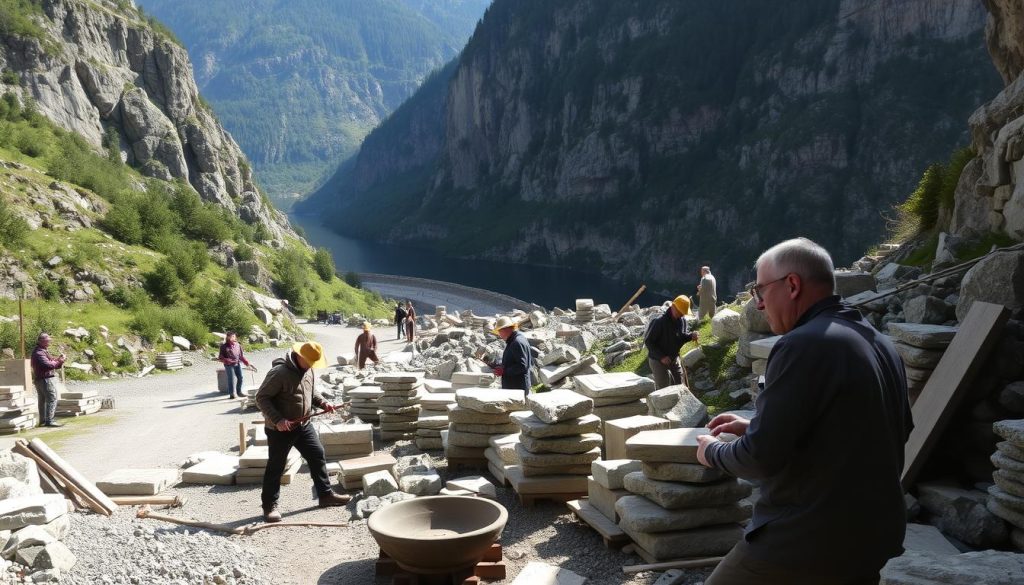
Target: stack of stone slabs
[1006, 497]
[252, 465]
[605, 485]
[921, 347]
[477, 415]
[462, 380]
[501, 452]
[351, 471]
[16, 411]
[433, 418]
[679, 508]
[584, 310]
[559, 441]
[398, 406]
[345, 441]
[363, 402]
[615, 395]
[78, 403]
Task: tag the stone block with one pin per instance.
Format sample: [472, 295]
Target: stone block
[639, 514]
[762, 348]
[625, 385]
[603, 499]
[551, 375]
[726, 325]
[925, 538]
[379, 483]
[458, 414]
[697, 542]
[673, 495]
[610, 473]
[137, 482]
[54, 555]
[759, 367]
[560, 355]
[922, 335]
[671, 445]
[684, 472]
[357, 468]
[460, 452]
[437, 401]
[531, 471]
[556, 459]
[926, 309]
[852, 282]
[548, 484]
[920, 568]
[219, 470]
[421, 484]
[490, 401]
[686, 409]
[693, 357]
[559, 405]
[620, 410]
[567, 445]
[505, 447]
[16, 513]
[463, 439]
[537, 573]
[400, 378]
[617, 431]
[917, 357]
[1007, 483]
[962, 514]
[476, 484]
[532, 426]
[472, 379]
[1011, 430]
[28, 536]
[1009, 464]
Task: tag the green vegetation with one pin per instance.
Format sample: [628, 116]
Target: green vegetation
[13, 228]
[933, 195]
[17, 18]
[323, 263]
[983, 245]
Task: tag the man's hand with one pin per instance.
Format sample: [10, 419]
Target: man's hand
[327, 407]
[284, 425]
[728, 423]
[498, 370]
[252, 368]
[665, 361]
[694, 336]
[702, 445]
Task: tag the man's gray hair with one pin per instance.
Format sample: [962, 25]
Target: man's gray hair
[43, 335]
[800, 256]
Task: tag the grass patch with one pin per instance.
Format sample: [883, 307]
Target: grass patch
[982, 246]
[74, 427]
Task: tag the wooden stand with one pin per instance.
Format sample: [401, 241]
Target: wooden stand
[474, 462]
[611, 534]
[491, 568]
[528, 500]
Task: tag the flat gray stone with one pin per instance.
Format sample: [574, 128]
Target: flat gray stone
[685, 472]
[458, 414]
[624, 385]
[697, 542]
[379, 483]
[677, 403]
[962, 514]
[762, 348]
[1006, 483]
[531, 471]
[921, 335]
[464, 439]
[27, 536]
[672, 495]
[559, 355]
[530, 425]
[472, 379]
[926, 538]
[668, 445]
[504, 446]
[1010, 450]
[490, 401]
[567, 445]
[1011, 515]
[345, 434]
[1011, 430]
[610, 473]
[916, 357]
[553, 374]
[421, 484]
[617, 411]
[528, 459]
[559, 405]
[476, 484]
[1008, 500]
[536, 573]
[638, 514]
[16, 513]
[54, 555]
[400, 378]
[988, 567]
[138, 482]
[1000, 460]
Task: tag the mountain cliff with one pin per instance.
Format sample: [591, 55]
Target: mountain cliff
[642, 139]
[300, 83]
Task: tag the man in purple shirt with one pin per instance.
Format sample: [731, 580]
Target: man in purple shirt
[44, 368]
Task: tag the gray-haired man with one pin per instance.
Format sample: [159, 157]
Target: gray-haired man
[44, 368]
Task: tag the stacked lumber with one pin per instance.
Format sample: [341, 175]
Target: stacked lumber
[79, 403]
[60, 476]
[171, 360]
[252, 466]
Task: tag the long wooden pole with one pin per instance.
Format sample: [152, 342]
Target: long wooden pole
[21, 448]
[638, 292]
[687, 564]
[172, 501]
[242, 439]
[55, 460]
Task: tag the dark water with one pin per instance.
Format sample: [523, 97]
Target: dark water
[545, 286]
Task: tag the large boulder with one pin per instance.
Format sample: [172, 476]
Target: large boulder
[962, 514]
[753, 319]
[726, 325]
[997, 279]
[851, 282]
[926, 568]
[926, 309]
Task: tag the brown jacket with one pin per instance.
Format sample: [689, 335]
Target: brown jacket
[287, 392]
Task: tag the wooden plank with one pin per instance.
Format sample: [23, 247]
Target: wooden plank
[243, 438]
[610, 532]
[68, 489]
[950, 381]
[79, 480]
[679, 564]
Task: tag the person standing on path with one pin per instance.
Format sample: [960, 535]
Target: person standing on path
[44, 371]
[516, 360]
[232, 356]
[286, 396]
[366, 346]
[400, 319]
[707, 293]
[665, 336]
[410, 322]
[827, 442]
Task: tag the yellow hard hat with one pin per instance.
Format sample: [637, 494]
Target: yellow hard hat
[366, 325]
[502, 323]
[682, 304]
[312, 352]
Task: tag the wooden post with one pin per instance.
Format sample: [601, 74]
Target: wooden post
[21, 322]
[638, 292]
[241, 438]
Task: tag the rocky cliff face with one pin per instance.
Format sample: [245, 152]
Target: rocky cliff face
[103, 72]
[642, 139]
[990, 194]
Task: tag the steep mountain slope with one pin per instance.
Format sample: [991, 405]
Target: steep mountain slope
[300, 83]
[641, 139]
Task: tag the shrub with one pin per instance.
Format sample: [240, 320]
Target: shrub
[293, 278]
[163, 283]
[122, 222]
[13, 228]
[323, 263]
[232, 279]
[188, 259]
[42, 321]
[244, 252]
[9, 335]
[11, 78]
[126, 298]
[352, 279]
[223, 311]
[185, 322]
[48, 289]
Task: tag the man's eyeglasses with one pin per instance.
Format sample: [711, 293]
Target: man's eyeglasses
[755, 291]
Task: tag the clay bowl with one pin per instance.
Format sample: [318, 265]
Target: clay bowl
[438, 534]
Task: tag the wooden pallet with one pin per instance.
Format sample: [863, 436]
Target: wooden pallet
[491, 568]
[611, 534]
[528, 500]
[466, 462]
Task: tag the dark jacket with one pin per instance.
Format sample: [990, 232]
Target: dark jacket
[287, 392]
[516, 361]
[43, 365]
[231, 354]
[399, 315]
[826, 446]
[365, 341]
[666, 336]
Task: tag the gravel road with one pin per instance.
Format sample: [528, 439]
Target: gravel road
[161, 419]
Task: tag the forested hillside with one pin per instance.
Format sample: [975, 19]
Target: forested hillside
[300, 83]
[641, 139]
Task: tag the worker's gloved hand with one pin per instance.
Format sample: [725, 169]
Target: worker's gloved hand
[328, 407]
[498, 370]
[284, 425]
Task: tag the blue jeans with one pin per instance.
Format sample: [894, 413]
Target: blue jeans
[234, 378]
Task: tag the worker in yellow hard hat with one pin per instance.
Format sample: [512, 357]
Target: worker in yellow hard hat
[665, 336]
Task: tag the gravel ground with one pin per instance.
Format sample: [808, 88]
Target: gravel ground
[159, 420]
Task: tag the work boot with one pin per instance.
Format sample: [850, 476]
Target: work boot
[332, 499]
[272, 515]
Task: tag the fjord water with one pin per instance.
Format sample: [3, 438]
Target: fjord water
[544, 285]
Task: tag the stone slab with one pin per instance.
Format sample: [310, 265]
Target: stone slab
[610, 473]
[213, 471]
[463, 439]
[360, 466]
[399, 378]
[550, 484]
[365, 393]
[921, 335]
[501, 429]
[925, 538]
[697, 542]
[530, 471]
[638, 514]
[459, 414]
[604, 499]
[617, 431]
[460, 452]
[682, 472]
[137, 482]
[532, 426]
[566, 445]
[990, 567]
[762, 348]
[556, 459]
[615, 384]
[615, 411]
[16, 513]
[559, 405]
[490, 400]
[673, 495]
[1011, 430]
[476, 484]
[668, 445]
[537, 573]
[504, 446]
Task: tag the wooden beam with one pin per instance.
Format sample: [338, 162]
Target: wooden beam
[638, 292]
[79, 480]
[68, 489]
[172, 501]
[681, 564]
[949, 383]
[242, 438]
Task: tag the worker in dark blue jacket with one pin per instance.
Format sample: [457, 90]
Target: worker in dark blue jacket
[516, 360]
[665, 336]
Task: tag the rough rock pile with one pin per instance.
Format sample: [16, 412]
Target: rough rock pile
[921, 347]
